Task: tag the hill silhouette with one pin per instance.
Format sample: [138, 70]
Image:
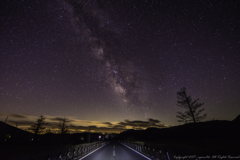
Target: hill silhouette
[6, 129]
[237, 119]
[211, 137]
[209, 129]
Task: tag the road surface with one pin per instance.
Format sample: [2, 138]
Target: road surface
[114, 151]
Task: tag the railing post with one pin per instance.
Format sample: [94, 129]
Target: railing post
[153, 153]
[67, 154]
[167, 155]
[160, 155]
[60, 155]
[73, 154]
[48, 157]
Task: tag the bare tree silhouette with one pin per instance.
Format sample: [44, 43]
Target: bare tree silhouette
[63, 126]
[193, 111]
[38, 127]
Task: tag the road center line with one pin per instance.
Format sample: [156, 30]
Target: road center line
[135, 151]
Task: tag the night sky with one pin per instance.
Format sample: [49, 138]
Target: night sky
[109, 65]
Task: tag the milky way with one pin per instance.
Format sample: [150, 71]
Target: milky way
[91, 24]
[115, 62]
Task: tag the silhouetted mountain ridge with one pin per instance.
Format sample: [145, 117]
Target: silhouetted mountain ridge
[216, 129]
[6, 129]
[237, 119]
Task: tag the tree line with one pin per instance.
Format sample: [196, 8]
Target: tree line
[193, 113]
[39, 126]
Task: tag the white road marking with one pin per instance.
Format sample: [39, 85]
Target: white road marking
[135, 151]
[113, 153]
[92, 152]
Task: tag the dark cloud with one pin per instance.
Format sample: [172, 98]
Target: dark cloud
[134, 123]
[18, 116]
[121, 126]
[153, 120]
[87, 122]
[96, 129]
[107, 123]
[60, 119]
[140, 124]
[29, 123]
[20, 123]
[53, 122]
[71, 126]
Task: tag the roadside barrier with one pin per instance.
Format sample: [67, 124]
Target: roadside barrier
[76, 152]
[153, 151]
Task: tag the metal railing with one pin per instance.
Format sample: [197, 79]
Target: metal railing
[76, 152]
[155, 152]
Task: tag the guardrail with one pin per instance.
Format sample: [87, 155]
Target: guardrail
[77, 151]
[154, 152]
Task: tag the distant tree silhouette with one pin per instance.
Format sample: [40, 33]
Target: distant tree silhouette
[6, 119]
[48, 130]
[63, 126]
[38, 127]
[193, 111]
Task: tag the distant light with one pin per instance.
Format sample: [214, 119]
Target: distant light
[99, 137]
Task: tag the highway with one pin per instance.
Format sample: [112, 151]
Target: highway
[114, 151]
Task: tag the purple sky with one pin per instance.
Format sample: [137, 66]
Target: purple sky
[104, 61]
